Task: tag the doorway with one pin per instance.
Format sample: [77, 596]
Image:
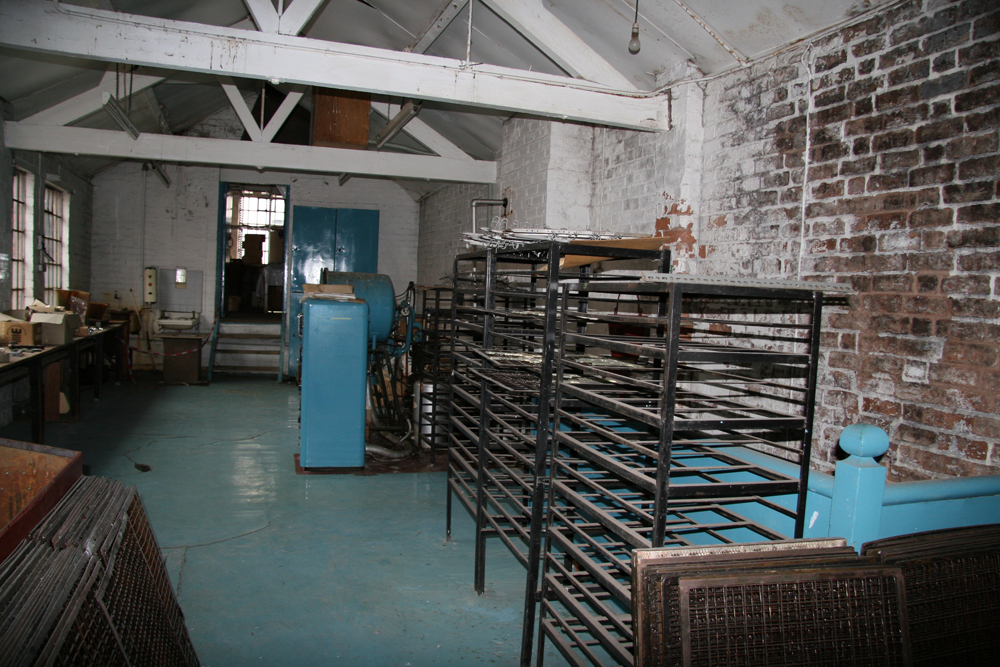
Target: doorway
[254, 268]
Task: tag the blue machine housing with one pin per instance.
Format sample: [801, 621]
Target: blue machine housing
[376, 290]
[335, 337]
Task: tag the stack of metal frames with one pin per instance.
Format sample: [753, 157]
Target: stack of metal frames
[89, 587]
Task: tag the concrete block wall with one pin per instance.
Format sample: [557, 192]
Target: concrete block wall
[444, 216]
[871, 157]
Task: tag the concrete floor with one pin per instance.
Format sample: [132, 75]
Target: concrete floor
[273, 568]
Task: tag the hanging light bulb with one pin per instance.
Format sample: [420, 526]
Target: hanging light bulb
[633, 44]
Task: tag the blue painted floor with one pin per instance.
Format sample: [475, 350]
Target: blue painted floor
[273, 568]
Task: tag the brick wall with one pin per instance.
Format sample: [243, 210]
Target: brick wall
[6, 207]
[139, 223]
[444, 216]
[524, 165]
[871, 158]
[181, 222]
[51, 169]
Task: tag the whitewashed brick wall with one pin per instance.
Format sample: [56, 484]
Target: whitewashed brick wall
[176, 228]
[53, 170]
[524, 166]
[181, 222]
[444, 215]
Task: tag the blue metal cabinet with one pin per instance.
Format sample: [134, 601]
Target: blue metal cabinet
[334, 382]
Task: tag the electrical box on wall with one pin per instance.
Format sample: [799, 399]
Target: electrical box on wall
[149, 284]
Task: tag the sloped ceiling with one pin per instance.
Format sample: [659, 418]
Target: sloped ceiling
[710, 35]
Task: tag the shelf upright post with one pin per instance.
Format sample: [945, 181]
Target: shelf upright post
[455, 297]
[667, 404]
[810, 405]
[489, 306]
[542, 449]
[550, 473]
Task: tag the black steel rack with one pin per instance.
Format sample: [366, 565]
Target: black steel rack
[503, 337]
[432, 367]
[650, 444]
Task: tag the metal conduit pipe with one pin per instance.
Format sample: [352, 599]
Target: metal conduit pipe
[387, 453]
[476, 203]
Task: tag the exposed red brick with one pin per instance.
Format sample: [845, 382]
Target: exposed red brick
[966, 353]
[966, 285]
[966, 192]
[977, 98]
[979, 213]
[974, 449]
[942, 173]
[932, 217]
[880, 182]
[968, 146]
[985, 237]
[940, 130]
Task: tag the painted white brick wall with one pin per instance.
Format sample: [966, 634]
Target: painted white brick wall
[51, 169]
[444, 216]
[142, 223]
[524, 165]
[181, 222]
[569, 187]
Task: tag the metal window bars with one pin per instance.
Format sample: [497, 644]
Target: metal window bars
[503, 338]
[648, 443]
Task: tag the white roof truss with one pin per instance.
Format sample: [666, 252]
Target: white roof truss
[259, 155]
[110, 36]
[541, 27]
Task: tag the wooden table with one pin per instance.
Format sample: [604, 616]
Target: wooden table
[33, 365]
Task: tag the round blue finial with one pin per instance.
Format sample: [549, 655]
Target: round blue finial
[864, 440]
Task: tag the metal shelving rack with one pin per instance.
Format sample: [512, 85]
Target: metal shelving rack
[652, 440]
[505, 306]
[433, 368]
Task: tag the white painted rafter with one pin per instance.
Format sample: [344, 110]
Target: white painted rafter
[264, 14]
[240, 107]
[556, 40]
[297, 15]
[282, 113]
[198, 150]
[437, 25]
[424, 133]
[88, 102]
[109, 36]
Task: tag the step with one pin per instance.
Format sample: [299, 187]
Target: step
[255, 328]
[245, 350]
[255, 370]
[249, 336]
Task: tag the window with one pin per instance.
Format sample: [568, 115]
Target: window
[21, 227]
[55, 246]
[255, 213]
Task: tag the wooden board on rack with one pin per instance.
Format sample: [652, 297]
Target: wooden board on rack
[647, 243]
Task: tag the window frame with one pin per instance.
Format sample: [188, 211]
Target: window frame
[54, 260]
[22, 249]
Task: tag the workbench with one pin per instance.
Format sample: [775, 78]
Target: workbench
[110, 340]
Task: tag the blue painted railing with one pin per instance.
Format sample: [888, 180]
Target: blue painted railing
[857, 503]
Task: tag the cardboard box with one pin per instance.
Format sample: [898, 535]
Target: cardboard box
[57, 328]
[24, 334]
[328, 289]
